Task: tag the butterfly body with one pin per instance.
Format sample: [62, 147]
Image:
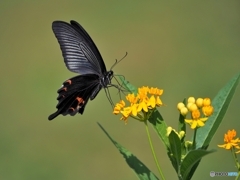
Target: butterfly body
[81, 56]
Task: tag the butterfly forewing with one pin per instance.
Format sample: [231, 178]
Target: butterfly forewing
[90, 44]
[79, 51]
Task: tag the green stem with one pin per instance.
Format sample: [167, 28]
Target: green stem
[238, 176]
[236, 162]
[153, 152]
[194, 139]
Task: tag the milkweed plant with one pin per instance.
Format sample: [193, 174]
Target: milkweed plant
[203, 115]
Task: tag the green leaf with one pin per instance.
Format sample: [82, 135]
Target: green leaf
[175, 150]
[127, 85]
[189, 161]
[160, 126]
[220, 104]
[137, 166]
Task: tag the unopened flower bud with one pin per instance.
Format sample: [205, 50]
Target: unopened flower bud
[184, 111]
[191, 100]
[206, 102]
[199, 102]
[207, 110]
[180, 106]
[193, 107]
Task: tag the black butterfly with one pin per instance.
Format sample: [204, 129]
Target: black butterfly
[80, 56]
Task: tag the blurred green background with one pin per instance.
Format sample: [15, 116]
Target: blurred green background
[187, 48]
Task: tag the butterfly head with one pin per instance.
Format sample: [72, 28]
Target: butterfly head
[106, 79]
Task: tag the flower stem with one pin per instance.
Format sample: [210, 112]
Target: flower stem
[237, 176]
[153, 152]
[194, 139]
[236, 161]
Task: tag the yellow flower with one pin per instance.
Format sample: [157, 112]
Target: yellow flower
[155, 91]
[118, 107]
[140, 105]
[131, 98]
[158, 101]
[196, 122]
[230, 141]
[134, 109]
[126, 111]
[152, 90]
[151, 102]
[145, 89]
[200, 109]
[116, 110]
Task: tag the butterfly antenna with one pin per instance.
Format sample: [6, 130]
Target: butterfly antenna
[116, 62]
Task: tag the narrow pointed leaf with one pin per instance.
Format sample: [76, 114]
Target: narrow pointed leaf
[190, 160]
[128, 86]
[142, 172]
[160, 126]
[220, 104]
[175, 150]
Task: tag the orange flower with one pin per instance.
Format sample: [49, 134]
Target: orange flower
[230, 141]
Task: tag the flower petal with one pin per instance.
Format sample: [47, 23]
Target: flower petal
[151, 102]
[194, 125]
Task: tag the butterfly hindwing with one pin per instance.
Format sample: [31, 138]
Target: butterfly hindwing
[79, 51]
[75, 93]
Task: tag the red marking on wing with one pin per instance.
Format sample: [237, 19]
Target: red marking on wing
[64, 89]
[76, 105]
[80, 100]
[69, 81]
[72, 109]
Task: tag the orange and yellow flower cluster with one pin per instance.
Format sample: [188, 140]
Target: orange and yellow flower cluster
[140, 105]
[230, 141]
[200, 110]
